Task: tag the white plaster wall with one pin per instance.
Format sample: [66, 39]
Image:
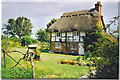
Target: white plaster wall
[63, 38]
[70, 39]
[57, 38]
[82, 33]
[81, 39]
[52, 38]
[53, 33]
[76, 38]
[69, 33]
[63, 34]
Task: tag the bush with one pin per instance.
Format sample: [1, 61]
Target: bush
[26, 40]
[16, 73]
[108, 64]
[87, 55]
[34, 41]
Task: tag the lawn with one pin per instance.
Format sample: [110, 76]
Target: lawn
[48, 67]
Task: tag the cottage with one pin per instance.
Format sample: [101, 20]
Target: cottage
[68, 31]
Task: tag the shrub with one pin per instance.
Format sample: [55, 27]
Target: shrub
[34, 41]
[26, 40]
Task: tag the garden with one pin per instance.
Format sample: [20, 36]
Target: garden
[101, 54]
[49, 66]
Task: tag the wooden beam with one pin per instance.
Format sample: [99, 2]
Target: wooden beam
[15, 61]
[31, 61]
[4, 59]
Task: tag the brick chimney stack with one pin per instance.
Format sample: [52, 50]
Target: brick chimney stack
[98, 9]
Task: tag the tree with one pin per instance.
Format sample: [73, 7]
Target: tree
[43, 35]
[10, 27]
[108, 64]
[20, 27]
[26, 40]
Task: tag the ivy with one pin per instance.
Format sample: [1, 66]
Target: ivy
[100, 46]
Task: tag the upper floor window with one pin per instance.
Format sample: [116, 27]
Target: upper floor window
[58, 34]
[82, 33]
[75, 34]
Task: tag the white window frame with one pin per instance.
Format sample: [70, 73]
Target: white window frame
[58, 34]
[58, 45]
[75, 34]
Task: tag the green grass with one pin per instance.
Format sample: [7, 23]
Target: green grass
[48, 67]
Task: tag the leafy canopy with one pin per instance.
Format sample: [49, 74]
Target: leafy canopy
[43, 36]
[107, 65]
[20, 27]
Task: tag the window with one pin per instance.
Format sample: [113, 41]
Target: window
[82, 33]
[63, 38]
[52, 38]
[58, 45]
[58, 34]
[81, 39]
[70, 38]
[75, 34]
[73, 46]
[53, 34]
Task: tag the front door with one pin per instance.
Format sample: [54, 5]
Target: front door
[81, 49]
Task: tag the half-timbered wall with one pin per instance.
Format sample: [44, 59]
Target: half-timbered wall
[76, 36]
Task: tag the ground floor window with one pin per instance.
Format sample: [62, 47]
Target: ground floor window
[58, 45]
[73, 46]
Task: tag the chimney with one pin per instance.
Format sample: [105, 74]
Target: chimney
[98, 7]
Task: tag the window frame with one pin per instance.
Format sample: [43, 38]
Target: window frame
[58, 34]
[58, 45]
[73, 46]
[75, 33]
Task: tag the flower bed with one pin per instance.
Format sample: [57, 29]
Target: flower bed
[68, 62]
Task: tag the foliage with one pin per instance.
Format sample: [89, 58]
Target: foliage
[26, 40]
[45, 68]
[34, 41]
[43, 36]
[7, 42]
[107, 65]
[51, 22]
[20, 27]
[16, 73]
[4, 42]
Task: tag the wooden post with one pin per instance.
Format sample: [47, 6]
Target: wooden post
[4, 59]
[15, 61]
[31, 61]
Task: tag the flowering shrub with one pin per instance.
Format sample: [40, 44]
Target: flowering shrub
[68, 62]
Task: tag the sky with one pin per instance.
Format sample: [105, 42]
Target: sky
[40, 13]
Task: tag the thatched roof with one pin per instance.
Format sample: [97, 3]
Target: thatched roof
[83, 20]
